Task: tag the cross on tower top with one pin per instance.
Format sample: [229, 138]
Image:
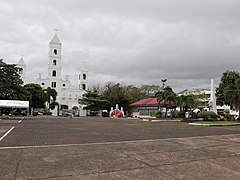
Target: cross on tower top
[56, 30]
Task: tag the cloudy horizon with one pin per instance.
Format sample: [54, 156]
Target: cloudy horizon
[135, 42]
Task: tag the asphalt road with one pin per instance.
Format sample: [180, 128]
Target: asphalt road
[49, 131]
[103, 148]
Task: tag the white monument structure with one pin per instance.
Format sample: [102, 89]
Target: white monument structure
[22, 71]
[67, 94]
[212, 102]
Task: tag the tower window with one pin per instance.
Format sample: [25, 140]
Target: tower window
[84, 76]
[54, 62]
[54, 73]
[55, 51]
[64, 85]
[54, 84]
[84, 86]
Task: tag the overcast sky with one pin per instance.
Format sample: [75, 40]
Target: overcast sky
[130, 41]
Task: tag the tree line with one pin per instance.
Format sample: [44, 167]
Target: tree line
[99, 98]
[228, 93]
[12, 88]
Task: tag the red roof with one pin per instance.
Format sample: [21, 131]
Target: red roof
[146, 102]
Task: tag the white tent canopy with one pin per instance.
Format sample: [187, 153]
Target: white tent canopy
[14, 104]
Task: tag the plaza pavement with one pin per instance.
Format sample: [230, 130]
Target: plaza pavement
[102, 148]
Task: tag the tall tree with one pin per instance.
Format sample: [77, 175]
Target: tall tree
[93, 100]
[232, 95]
[228, 78]
[150, 90]
[115, 94]
[36, 95]
[133, 93]
[121, 94]
[167, 98]
[11, 83]
[186, 102]
[50, 96]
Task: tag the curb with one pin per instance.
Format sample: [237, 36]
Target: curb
[161, 120]
[197, 124]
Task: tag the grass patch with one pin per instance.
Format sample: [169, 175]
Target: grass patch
[218, 122]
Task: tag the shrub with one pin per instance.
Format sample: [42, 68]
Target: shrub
[152, 114]
[158, 114]
[181, 114]
[229, 117]
[207, 115]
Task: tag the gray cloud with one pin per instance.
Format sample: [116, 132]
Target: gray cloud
[136, 42]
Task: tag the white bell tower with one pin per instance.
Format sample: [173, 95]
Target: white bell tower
[83, 77]
[54, 64]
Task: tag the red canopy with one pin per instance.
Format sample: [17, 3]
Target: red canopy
[146, 102]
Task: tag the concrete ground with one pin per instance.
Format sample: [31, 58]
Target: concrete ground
[103, 148]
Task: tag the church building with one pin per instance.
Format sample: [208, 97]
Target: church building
[67, 94]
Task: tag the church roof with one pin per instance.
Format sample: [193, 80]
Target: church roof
[55, 40]
[21, 62]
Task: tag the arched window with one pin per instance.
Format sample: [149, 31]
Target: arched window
[55, 51]
[84, 76]
[54, 62]
[74, 107]
[84, 86]
[54, 73]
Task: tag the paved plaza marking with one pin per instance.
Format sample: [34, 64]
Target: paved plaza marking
[6, 133]
[106, 143]
[20, 120]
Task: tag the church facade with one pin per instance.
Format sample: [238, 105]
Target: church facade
[67, 93]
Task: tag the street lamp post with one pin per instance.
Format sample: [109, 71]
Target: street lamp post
[163, 82]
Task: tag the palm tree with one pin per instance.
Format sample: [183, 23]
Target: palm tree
[186, 102]
[50, 93]
[232, 95]
[167, 98]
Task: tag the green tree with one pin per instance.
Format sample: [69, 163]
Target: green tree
[228, 78]
[150, 90]
[93, 100]
[11, 83]
[133, 94]
[36, 95]
[167, 98]
[50, 96]
[232, 95]
[115, 94]
[186, 102]
[121, 94]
